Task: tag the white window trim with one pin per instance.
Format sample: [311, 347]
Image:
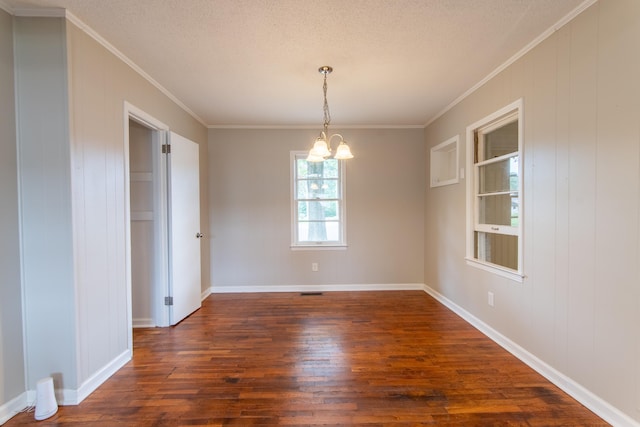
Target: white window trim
[472, 181]
[295, 245]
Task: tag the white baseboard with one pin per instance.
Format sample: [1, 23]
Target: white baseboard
[205, 294]
[317, 288]
[90, 385]
[597, 405]
[12, 407]
[143, 323]
[66, 396]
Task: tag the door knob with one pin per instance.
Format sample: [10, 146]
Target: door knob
[199, 235]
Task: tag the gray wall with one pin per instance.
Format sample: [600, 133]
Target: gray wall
[45, 196]
[578, 308]
[250, 210]
[72, 93]
[11, 345]
[100, 83]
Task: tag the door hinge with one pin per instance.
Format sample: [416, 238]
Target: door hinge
[166, 149]
[168, 300]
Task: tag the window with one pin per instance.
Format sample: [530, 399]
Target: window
[318, 207]
[494, 192]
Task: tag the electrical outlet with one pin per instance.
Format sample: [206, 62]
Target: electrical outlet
[314, 266]
[490, 299]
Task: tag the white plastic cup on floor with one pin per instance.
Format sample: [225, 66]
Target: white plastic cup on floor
[46, 404]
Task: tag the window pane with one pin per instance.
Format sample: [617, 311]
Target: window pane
[499, 209]
[317, 210]
[326, 169]
[499, 176]
[515, 211]
[318, 189]
[317, 201]
[494, 223]
[501, 141]
[499, 249]
[329, 168]
[319, 231]
[301, 168]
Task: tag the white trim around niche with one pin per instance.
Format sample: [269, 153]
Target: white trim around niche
[444, 163]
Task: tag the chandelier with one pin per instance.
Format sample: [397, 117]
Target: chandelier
[322, 147]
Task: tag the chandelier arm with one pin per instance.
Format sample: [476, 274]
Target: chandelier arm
[331, 137]
[328, 138]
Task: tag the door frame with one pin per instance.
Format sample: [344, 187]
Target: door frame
[160, 287]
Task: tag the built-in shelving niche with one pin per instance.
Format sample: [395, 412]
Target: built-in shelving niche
[142, 196]
[445, 163]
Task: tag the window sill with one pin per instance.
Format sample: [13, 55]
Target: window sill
[492, 268]
[318, 247]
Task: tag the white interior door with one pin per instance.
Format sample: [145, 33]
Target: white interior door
[184, 228]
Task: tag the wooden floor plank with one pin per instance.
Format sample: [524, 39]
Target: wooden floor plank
[341, 358]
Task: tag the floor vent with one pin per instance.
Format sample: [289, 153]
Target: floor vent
[310, 294]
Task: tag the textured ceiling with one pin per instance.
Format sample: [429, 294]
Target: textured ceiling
[254, 62]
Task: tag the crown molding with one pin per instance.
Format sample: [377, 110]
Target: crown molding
[63, 13]
[317, 126]
[58, 12]
[4, 6]
[53, 12]
[102, 41]
[535, 42]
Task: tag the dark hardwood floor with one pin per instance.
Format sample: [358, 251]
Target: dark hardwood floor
[342, 358]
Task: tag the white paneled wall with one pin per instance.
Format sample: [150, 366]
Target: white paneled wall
[45, 200]
[11, 339]
[579, 306]
[71, 95]
[100, 84]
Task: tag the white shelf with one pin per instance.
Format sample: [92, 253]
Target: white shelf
[142, 216]
[141, 176]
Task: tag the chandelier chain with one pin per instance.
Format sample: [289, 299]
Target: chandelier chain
[322, 147]
[327, 113]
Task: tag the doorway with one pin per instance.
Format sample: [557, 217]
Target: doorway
[145, 233]
[147, 236]
[163, 223]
